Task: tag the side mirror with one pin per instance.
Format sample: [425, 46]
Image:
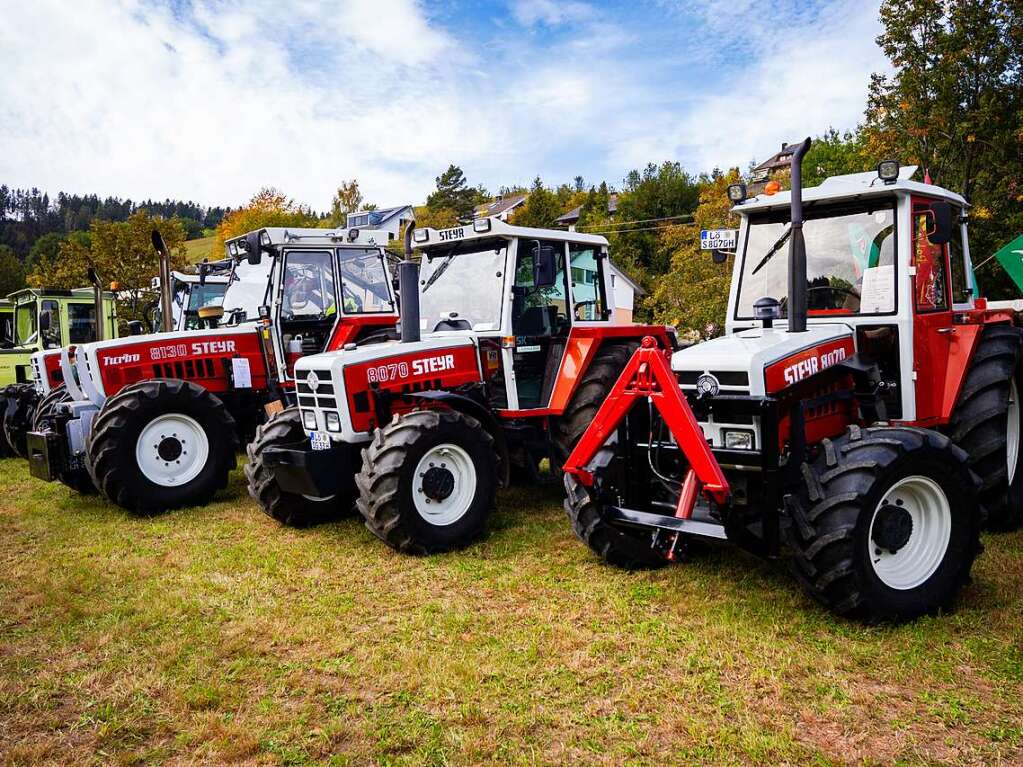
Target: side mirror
[136, 328]
[253, 251]
[44, 321]
[544, 265]
[719, 256]
[941, 213]
[204, 269]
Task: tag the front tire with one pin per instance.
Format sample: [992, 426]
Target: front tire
[428, 481]
[887, 524]
[986, 423]
[47, 408]
[161, 444]
[289, 509]
[21, 404]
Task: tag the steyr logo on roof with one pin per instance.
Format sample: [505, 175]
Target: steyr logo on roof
[452, 234]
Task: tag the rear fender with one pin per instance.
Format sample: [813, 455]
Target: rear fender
[481, 413]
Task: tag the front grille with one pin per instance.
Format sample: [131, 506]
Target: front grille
[731, 381]
[185, 369]
[322, 397]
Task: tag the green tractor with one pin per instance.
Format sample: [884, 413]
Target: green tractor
[33, 320]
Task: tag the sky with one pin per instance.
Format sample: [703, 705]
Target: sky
[210, 101]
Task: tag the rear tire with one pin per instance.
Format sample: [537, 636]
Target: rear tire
[5, 449]
[887, 525]
[589, 395]
[289, 509]
[161, 444]
[428, 481]
[982, 423]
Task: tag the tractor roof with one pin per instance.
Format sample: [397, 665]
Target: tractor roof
[485, 228]
[852, 186]
[314, 237]
[24, 293]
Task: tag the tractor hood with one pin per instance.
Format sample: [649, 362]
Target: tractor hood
[348, 382]
[762, 361]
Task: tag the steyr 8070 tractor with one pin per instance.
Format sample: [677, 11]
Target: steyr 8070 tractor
[861, 411]
[43, 321]
[153, 421]
[508, 346]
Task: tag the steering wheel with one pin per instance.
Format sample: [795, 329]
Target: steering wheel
[579, 304]
[835, 289]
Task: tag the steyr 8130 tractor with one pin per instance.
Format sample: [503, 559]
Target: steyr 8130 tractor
[508, 346]
[153, 421]
[862, 409]
[43, 321]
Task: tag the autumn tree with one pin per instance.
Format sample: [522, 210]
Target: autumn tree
[453, 192]
[693, 295]
[121, 251]
[953, 104]
[541, 208]
[269, 207]
[12, 273]
[347, 199]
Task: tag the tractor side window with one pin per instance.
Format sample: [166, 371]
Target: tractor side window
[308, 286]
[81, 323]
[26, 321]
[931, 283]
[588, 300]
[364, 288]
[49, 321]
[539, 310]
[962, 289]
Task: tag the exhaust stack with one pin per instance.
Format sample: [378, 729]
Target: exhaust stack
[166, 320]
[97, 298]
[797, 247]
[408, 290]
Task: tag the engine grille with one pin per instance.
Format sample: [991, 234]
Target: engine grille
[322, 396]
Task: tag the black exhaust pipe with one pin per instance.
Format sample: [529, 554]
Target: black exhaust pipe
[166, 318]
[797, 247]
[97, 299]
[408, 290]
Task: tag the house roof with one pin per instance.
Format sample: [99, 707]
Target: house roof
[780, 159]
[378, 217]
[500, 205]
[636, 287]
[573, 215]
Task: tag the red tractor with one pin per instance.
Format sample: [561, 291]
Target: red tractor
[862, 410]
[152, 421]
[508, 346]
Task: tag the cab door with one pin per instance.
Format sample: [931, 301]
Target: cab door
[540, 320]
[933, 331]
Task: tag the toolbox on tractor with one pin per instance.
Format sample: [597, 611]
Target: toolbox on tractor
[861, 413]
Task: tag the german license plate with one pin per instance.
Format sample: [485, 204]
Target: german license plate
[320, 440]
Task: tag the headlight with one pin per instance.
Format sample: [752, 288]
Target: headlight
[420, 235]
[736, 192]
[333, 422]
[738, 440]
[309, 419]
[481, 225]
[888, 171]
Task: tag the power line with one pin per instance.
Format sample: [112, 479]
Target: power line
[638, 221]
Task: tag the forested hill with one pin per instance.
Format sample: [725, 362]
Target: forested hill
[28, 214]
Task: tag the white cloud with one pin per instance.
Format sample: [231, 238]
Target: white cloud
[129, 99]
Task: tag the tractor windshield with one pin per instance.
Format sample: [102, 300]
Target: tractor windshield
[364, 286]
[850, 259]
[26, 322]
[463, 284]
[210, 294]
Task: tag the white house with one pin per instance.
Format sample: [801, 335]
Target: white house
[501, 208]
[389, 220]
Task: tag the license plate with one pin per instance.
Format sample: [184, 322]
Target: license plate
[320, 440]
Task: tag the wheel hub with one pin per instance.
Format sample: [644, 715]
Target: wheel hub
[893, 527]
[438, 483]
[169, 449]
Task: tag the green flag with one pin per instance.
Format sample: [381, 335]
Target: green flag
[1011, 258]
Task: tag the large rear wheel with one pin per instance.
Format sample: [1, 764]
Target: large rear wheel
[47, 408]
[428, 481]
[887, 524]
[285, 428]
[161, 444]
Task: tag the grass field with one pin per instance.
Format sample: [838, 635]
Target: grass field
[197, 250]
[212, 636]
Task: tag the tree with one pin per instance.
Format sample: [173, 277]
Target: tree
[954, 105]
[347, 199]
[835, 154]
[693, 295]
[12, 273]
[541, 208]
[268, 207]
[453, 192]
[121, 251]
[47, 246]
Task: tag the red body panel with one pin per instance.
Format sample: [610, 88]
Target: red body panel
[803, 364]
[51, 364]
[424, 370]
[350, 328]
[204, 360]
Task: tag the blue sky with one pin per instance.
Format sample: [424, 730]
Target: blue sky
[211, 100]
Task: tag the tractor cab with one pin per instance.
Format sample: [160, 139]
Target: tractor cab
[190, 293]
[322, 289]
[520, 291]
[6, 324]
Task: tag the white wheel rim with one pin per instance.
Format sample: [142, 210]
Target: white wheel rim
[1012, 430]
[172, 450]
[442, 509]
[917, 560]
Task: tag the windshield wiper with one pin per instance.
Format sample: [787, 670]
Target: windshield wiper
[440, 270]
[774, 249]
